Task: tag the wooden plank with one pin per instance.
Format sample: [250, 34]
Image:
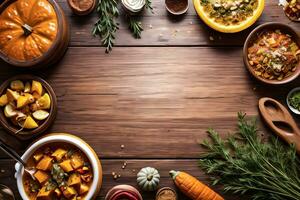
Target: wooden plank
[161, 29]
[128, 175]
[155, 102]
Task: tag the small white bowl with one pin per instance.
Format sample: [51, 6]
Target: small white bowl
[63, 138]
[288, 103]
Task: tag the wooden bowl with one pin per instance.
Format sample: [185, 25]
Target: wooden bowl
[55, 52]
[28, 134]
[254, 35]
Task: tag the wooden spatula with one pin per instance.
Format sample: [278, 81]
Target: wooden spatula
[280, 121]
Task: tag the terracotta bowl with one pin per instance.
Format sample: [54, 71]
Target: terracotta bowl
[68, 139]
[254, 35]
[27, 134]
[57, 49]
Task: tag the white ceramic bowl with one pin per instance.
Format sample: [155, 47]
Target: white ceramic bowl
[63, 138]
[288, 103]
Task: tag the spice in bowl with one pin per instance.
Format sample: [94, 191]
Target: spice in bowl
[274, 55]
[177, 7]
[293, 100]
[166, 193]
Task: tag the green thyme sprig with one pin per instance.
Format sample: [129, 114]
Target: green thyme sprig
[245, 164]
[135, 26]
[107, 26]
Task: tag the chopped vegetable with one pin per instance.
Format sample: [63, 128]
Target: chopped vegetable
[274, 55]
[294, 100]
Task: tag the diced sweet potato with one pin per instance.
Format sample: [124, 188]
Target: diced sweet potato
[83, 189]
[41, 176]
[44, 194]
[45, 164]
[59, 153]
[69, 192]
[77, 160]
[37, 157]
[74, 180]
[66, 166]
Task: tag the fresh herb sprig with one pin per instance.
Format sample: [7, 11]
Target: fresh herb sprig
[107, 26]
[148, 5]
[245, 164]
[135, 26]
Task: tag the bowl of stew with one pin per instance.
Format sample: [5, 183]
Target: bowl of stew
[272, 53]
[66, 168]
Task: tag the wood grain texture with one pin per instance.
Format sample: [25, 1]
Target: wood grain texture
[157, 101]
[128, 175]
[161, 29]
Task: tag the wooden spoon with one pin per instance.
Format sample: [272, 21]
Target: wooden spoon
[280, 121]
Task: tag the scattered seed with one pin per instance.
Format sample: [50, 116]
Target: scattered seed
[150, 26]
[113, 173]
[122, 146]
[211, 38]
[191, 22]
[2, 170]
[123, 167]
[115, 177]
[119, 176]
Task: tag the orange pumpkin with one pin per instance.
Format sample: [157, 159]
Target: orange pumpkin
[29, 29]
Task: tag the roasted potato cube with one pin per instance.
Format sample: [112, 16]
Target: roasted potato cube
[45, 164]
[59, 153]
[83, 189]
[41, 176]
[57, 192]
[66, 166]
[44, 194]
[74, 180]
[17, 85]
[36, 87]
[3, 100]
[69, 192]
[12, 95]
[27, 87]
[77, 160]
[37, 157]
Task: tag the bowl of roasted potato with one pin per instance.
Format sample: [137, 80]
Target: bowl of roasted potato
[65, 167]
[28, 106]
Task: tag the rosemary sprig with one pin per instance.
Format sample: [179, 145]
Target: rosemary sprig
[135, 26]
[148, 5]
[107, 26]
[245, 164]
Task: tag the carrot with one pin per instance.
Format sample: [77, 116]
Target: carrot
[193, 188]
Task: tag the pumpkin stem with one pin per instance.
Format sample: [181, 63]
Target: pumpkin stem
[27, 29]
[173, 174]
[149, 177]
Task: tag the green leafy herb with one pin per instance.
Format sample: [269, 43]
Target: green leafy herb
[107, 26]
[135, 26]
[51, 185]
[58, 174]
[294, 100]
[245, 164]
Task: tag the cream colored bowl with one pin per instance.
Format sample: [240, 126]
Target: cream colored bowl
[69, 139]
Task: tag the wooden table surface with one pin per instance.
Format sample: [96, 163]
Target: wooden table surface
[156, 95]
